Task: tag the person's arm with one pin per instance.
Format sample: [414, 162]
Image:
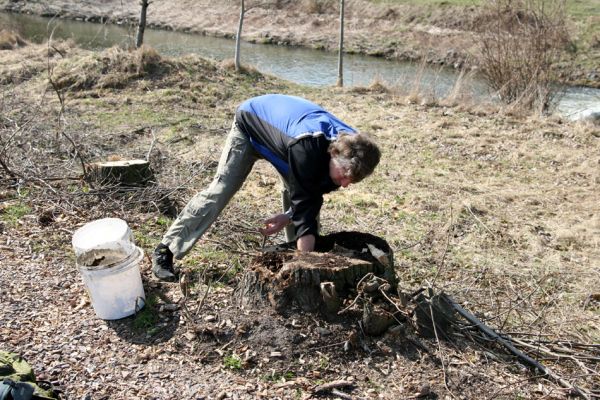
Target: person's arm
[308, 166]
[306, 243]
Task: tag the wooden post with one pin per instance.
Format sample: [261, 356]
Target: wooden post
[340, 79]
[238, 38]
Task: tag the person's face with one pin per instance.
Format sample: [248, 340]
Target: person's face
[338, 175]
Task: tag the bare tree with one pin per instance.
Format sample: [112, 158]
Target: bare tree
[142, 24]
[340, 79]
[238, 37]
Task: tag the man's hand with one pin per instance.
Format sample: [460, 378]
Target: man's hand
[306, 243]
[274, 224]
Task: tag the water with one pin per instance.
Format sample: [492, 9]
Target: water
[300, 65]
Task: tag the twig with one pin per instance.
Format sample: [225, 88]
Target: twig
[61, 99]
[328, 345]
[545, 351]
[384, 294]
[229, 248]
[440, 355]
[441, 264]
[370, 274]
[481, 222]
[201, 304]
[151, 145]
[530, 362]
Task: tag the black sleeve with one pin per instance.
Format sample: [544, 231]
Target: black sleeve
[309, 176]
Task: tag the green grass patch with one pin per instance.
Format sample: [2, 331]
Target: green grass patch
[147, 318]
[582, 9]
[163, 221]
[232, 361]
[128, 116]
[218, 266]
[278, 377]
[147, 235]
[13, 213]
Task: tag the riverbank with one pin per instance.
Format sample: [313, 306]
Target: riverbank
[442, 35]
[498, 210]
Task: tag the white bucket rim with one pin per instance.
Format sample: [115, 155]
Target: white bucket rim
[121, 236]
[129, 261]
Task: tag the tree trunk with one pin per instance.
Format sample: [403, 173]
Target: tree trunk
[142, 25]
[238, 37]
[340, 80]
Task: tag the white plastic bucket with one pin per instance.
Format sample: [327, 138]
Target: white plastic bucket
[114, 283]
[108, 261]
[106, 234]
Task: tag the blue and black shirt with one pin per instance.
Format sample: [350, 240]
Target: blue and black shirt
[293, 134]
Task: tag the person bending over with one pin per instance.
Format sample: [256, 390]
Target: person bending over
[314, 153]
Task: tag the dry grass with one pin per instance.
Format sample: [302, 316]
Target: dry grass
[24, 63]
[112, 68]
[10, 40]
[499, 211]
[318, 6]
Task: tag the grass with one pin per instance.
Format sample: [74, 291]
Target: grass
[146, 320]
[430, 2]
[279, 377]
[528, 182]
[148, 234]
[579, 9]
[11, 214]
[583, 9]
[232, 361]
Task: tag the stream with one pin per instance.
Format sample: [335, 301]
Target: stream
[296, 64]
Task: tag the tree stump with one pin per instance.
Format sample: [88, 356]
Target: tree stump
[434, 316]
[316, 281]
[122, 172]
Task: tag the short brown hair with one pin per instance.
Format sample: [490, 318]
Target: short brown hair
[357, 153]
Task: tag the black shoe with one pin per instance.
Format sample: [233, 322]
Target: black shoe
[162, 263]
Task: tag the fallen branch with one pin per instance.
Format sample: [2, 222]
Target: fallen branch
[328, 387]
[506, 343]
[341, 394]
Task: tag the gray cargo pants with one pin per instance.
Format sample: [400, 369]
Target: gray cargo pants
[237, 160]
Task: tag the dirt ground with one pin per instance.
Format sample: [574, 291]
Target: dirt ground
[442, 35]
[494, 207]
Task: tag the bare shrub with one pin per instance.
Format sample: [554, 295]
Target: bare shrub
[318, 6]
[521, 41]
[10, 40]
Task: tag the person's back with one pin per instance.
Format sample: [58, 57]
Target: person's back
[278, 121]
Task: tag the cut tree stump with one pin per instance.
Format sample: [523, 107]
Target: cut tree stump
[316, 281]
[122, 172]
